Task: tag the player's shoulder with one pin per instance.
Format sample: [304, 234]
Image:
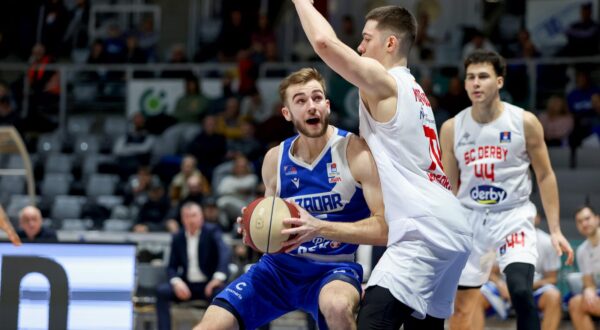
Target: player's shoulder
[356, 144]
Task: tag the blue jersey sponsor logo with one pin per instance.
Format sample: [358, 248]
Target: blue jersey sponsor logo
[488, 195]
[320, 203]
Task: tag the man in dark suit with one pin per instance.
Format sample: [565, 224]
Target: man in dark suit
[31, 229]
[197, 266]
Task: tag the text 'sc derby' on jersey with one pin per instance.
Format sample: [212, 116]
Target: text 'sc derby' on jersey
[493, 160]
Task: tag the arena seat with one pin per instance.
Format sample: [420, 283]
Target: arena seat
[560, 157]
[55, 184]
[58, 163]
[588, 158]
[67, 207]
[101, 184]
[580, 180]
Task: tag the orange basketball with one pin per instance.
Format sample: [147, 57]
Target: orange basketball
[262, 221]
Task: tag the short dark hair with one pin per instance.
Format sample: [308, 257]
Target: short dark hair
[487, 56]
[396, 19]
[583, 207]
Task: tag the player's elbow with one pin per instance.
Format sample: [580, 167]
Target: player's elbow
[321, 43]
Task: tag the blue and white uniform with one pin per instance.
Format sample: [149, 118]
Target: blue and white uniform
[283, 282]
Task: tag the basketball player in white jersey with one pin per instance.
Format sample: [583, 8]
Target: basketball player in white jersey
[486, 150]
[331, 174]
[8, 228]
[429, 239]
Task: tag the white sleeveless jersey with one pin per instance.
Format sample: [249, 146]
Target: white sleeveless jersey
[416, 191]
[493, 160]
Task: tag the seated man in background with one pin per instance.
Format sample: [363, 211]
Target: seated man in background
[197, 266]
[546, 295]
[31, 229]
[586, 305]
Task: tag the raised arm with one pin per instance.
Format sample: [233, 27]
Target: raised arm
[372, 230]
[546, 180]
[448, 157]
[367, 74]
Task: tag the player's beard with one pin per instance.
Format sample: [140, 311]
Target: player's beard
[300, 126]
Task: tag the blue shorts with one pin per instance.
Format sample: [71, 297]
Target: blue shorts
[281, 283]
[537, 294]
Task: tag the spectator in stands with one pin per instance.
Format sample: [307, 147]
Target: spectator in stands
[233, 37]
[208, 146]
[524, 47]
[583, 36]
[31, 226]
[237, 189]
[229, 121]
[198, 263]
[56, 18]
[133, 53]
[193, 105]
[179, 187]
[556, 121]
[424, 42]
[137, 187]
[247, 145]
[263, 34]
[254, 107]
[45, 90]
[275, 128]
[151, 216]
[579, 101]
[115, 47]
[594, 139]
[456, 97]
[478, 41]
[134, 148]
[196, 190]
[586, 305]
[148, 39]
[76, 33]
[348, 34]
[177, 56]
[213, 214]
[97, 54]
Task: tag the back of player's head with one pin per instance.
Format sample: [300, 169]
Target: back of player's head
[300, 77]
[396, 19]
[486, 56]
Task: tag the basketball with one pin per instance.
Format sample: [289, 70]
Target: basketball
[262, 221]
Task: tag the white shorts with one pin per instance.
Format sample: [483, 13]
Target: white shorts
[508, 236]
[421, 274]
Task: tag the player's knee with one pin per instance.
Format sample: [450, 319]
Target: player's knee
[338, 307]
[553, 299]
[575, 304]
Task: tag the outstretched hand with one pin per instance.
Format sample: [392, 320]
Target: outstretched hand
[8, 228]
[302, 229]
[561, 245]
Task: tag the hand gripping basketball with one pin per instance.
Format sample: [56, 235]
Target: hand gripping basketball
[262, 222]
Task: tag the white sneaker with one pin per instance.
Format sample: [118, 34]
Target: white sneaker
[491, 293]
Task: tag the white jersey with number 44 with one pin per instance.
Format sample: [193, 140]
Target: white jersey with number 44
[493, 160]
[416, 191]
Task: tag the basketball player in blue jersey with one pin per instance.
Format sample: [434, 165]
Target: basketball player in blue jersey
[331, 174]
[8, 228]
[429, 238]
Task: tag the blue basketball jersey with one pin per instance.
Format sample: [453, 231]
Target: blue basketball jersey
[326, 189]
